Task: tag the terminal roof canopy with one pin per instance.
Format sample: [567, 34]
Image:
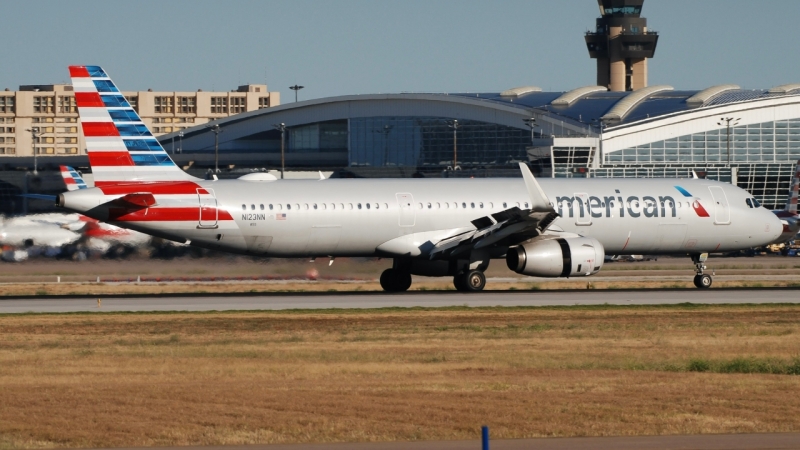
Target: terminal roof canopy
[589, 104]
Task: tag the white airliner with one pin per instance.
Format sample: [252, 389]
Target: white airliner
[433, 227]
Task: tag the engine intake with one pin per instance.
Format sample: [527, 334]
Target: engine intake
[554, 258]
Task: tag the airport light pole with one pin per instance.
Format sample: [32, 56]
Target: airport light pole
[727, 122]
[531, 122]
[282, 128]
[454, 125]
[180, 141]
[385, 132]
[216, 129]
[296, 88]
[35, 134]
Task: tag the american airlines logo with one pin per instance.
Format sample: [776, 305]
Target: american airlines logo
[633, 206]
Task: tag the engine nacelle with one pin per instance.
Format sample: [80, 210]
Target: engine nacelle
[564, 257]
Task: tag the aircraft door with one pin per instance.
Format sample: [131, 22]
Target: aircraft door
[582, 213]
[408, 215]
[208, 208]
[722, 212]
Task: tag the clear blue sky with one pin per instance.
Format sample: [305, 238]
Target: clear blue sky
[355, 47]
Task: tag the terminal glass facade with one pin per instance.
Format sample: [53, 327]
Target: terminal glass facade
[429, 142]
[770, 142]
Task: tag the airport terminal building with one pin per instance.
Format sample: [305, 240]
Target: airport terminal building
[747, 137]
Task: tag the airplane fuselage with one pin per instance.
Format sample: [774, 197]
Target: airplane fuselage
[391, 217]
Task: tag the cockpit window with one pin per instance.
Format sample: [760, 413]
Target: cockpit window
[749, 203]
[756, 204]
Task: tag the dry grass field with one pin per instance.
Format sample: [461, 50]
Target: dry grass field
[103, 380]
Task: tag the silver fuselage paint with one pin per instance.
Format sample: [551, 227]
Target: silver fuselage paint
[404, 217]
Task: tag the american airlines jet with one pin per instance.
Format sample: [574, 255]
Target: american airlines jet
[432, 227]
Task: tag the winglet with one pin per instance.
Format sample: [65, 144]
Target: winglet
[539, 200]
[321, 176]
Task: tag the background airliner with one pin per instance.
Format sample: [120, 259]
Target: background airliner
[790, 219]
[433, 227]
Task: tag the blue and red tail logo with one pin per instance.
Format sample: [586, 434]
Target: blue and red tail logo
[698, 208]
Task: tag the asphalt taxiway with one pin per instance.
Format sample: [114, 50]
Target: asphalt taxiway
[368, 300]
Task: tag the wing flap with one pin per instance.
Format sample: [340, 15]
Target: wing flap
[504, 228]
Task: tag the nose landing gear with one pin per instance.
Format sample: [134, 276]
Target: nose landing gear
[701, 280]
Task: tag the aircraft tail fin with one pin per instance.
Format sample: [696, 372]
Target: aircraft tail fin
[120, 146]
[791, 202]
[72, 178]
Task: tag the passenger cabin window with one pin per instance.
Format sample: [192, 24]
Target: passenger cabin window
[252, 207]
[504, 205]
[288, 206]
[359, 206]
[463, 205]
[270, 206]
[367, 205]
[261, 206]
[244, 207]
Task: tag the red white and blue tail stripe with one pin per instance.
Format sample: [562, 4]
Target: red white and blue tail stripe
[121, 148]
[72, 178]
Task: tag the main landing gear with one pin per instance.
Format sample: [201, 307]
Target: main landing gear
[469, 281]
[395, 280]
[701, 280]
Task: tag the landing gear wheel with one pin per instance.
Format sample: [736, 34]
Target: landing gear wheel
[475, 281]
[470, 281]
[393, 280]
[458, 282]
[387, 280]
[702, 281]
[402, 281]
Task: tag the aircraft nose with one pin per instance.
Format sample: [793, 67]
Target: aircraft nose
[773, 226]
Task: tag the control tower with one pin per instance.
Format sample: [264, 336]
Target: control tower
[621, 44]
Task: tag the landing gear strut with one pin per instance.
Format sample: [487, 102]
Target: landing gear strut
[395, 280]
[470, 281]
[701, 280]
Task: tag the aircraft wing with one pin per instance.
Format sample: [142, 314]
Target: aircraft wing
[509, 227]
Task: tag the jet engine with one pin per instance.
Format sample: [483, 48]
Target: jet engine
[563, 257]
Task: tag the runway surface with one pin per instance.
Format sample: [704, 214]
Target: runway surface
[771, 441]
[284, 301]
